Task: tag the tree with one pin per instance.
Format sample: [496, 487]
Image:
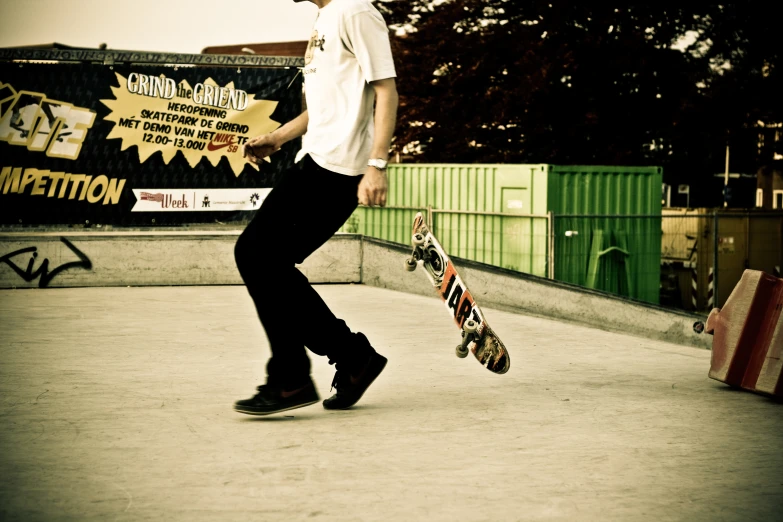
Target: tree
[593, 83]
[744, 89]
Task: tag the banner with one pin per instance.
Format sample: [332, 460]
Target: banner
[202, 200]
[135, 144]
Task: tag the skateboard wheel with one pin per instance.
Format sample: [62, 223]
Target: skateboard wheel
[470, 326]
[698, 327]
[462, 351]
[410, 264]
[418, 239]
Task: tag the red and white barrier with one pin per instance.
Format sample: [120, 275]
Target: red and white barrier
[748, 335]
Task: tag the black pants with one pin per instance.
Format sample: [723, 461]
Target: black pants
[305, 208]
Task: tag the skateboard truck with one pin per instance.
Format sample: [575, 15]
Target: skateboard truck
[469, 334]
[430, 257]
[419, 253]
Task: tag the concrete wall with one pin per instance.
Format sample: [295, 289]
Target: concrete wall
[154, 259]
[201, 258]
[492, 287]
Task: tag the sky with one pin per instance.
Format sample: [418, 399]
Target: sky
[184, 26]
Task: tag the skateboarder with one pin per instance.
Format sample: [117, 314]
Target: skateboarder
[345, 145]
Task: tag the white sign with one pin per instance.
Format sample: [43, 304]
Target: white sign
[198, 200]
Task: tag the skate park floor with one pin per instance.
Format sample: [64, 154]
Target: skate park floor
[117, 405]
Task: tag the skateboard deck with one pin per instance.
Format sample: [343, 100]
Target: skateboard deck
[477, 337]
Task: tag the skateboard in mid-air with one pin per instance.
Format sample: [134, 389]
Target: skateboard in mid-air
[477, 337]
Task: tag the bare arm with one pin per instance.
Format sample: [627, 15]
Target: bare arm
[386, 101]
[373, 187]
[293, 129]
[258, 148]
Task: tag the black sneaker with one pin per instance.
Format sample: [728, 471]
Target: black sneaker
[271, 399]
[349, 388]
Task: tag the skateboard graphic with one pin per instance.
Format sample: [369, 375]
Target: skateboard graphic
[477, 336]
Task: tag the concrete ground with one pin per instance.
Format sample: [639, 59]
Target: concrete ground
[115, 404]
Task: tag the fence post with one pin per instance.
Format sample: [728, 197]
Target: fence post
[551, 232]
[715, 258]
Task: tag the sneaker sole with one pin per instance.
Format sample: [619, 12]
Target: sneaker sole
[262, 413]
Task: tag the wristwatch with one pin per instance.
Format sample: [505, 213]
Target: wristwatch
[378, 163]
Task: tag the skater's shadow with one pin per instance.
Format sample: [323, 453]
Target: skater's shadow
[278, 418]
[310, 416]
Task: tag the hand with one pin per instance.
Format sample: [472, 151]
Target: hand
[373, 187]
[258, 148]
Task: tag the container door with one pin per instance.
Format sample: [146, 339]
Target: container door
[513, 254]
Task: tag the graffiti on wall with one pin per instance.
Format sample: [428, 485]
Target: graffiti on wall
[44, 271]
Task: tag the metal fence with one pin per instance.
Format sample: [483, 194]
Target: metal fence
[712, 250]
[517, 242]
[689, 260]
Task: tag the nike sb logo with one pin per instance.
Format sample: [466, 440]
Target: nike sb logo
[220, 141]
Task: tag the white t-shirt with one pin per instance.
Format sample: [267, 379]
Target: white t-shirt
[348, 49]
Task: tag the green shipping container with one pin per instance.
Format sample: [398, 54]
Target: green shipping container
[607, 232]
[473, 211]
[497, 214]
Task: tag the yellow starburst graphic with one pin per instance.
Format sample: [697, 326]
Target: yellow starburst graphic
[155, 114]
